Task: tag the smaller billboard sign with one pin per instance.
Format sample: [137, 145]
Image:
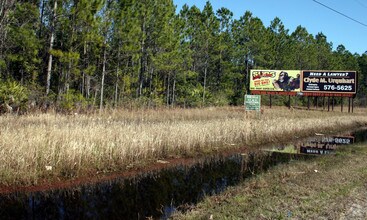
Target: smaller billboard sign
[252, 102]
[329, 81]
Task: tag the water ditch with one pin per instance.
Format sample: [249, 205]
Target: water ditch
[157, 194]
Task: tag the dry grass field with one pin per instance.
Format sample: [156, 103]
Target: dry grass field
[57, 147]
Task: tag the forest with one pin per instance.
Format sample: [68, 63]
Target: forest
[74, 55]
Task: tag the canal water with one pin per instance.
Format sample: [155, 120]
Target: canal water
[157, 194]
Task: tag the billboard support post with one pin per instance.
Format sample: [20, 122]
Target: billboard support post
[289, 102]
[316, 102]
[296, 101]
[341, 104]
[352, 104]
[270, 100]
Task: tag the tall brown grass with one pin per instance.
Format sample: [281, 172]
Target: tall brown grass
[48, 146]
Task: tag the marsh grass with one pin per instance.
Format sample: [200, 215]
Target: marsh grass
[321, 188]
[56, 147]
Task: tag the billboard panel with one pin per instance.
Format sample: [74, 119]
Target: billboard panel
[322, 81]
[275, 80]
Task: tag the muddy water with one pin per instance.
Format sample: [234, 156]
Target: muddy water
[158, 194]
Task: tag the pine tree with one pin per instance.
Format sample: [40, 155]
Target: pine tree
[23, 44]
[303, 50]
[278, 44]
[125, 41]
[6, 7]
[250, 38]
[164, 54]
[224, 85]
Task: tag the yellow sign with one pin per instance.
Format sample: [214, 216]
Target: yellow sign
[275, 80]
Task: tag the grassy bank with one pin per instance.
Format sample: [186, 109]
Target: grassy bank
[56, 147]
[331, 187]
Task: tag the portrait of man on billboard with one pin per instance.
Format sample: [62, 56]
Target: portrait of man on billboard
[286, 82]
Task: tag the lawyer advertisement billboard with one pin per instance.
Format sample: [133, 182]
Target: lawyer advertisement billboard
[275, 80]
[322, 81]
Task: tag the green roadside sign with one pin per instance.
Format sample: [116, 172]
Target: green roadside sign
[252, 102]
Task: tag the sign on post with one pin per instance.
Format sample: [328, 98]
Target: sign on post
[252, 102]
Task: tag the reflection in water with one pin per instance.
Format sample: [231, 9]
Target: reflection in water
[321, 144]
[156, 194]
[316, 145]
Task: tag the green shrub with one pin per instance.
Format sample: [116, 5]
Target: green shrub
[72, 100]
[13, 95]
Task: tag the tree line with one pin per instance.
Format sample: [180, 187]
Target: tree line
[79, 54]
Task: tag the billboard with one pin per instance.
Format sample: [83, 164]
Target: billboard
[275, 80]
[303, 82]
[322, 81]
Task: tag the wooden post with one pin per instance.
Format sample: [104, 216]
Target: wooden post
[316, 102]
[352, 104]
[341, 104]
[295, 101]
[270, 100]
[289, 102]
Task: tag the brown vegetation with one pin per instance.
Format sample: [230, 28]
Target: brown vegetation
[59, 147]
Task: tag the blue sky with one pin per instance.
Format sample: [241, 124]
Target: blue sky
[307, 13]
